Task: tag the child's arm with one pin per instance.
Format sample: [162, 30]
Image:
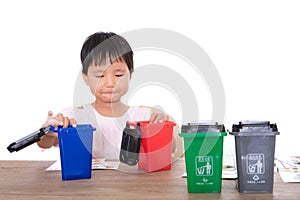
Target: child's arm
[177, 150]
[51, 139]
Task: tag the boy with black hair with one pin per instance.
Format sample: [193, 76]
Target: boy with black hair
[107, 66]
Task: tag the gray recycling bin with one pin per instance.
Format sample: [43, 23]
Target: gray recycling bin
[255, 146]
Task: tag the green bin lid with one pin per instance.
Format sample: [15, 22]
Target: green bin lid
[203, 129]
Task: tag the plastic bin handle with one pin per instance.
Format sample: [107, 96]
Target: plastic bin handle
[254, 122]
[209, 123]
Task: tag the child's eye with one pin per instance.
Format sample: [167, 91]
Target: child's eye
[119, 75]
[99, 76]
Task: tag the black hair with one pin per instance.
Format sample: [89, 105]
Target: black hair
[101, 46]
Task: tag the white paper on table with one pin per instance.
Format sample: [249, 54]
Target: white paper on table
[288, 169]
[96, 164]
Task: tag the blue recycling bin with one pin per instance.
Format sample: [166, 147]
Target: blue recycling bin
[75, 145]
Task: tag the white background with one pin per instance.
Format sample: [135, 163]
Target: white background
[255, 46]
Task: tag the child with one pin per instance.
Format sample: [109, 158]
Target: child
[107, 66]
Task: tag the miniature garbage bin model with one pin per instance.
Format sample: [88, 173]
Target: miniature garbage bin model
[149, 145]
[255, 146]
[203, 144]
[75, 145]
[156, 146]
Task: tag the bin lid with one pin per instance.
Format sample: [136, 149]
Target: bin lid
[246, 128]
[203, 127]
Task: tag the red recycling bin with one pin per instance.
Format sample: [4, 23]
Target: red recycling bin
[156, 145]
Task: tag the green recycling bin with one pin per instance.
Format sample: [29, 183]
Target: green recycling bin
[203, 144]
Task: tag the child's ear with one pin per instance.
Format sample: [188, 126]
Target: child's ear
[85, 78]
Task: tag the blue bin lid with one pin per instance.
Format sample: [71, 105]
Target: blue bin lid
[247, 128]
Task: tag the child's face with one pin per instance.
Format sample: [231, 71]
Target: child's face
[108, 83]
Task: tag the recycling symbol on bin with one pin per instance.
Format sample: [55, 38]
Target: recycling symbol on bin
[255, 177]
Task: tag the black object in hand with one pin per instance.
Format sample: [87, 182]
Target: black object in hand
[28, 140]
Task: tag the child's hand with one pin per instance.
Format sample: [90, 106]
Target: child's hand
[58, 120]
[158, 117]
[51, 139]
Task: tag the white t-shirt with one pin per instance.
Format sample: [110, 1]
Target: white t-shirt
[108, 135]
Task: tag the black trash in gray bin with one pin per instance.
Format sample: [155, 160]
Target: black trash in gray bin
[255, 146]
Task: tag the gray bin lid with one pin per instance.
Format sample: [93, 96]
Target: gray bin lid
[254, 128]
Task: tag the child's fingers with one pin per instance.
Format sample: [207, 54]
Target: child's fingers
[158, 117]
[73, 122]
[54, 134]
[50, 114]
[60, 120]
[66, 122]
[153, 118]
[51, 120]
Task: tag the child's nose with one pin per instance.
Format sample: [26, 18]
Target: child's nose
[110, 82]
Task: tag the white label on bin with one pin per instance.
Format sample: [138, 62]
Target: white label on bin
[204, 165]
[255, 163]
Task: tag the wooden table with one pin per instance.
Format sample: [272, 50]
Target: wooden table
[29, 180]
